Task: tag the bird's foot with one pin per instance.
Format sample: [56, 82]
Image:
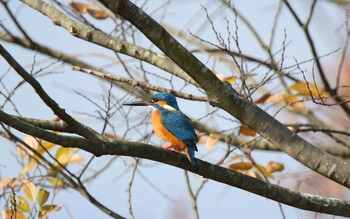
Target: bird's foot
[171, 147]
[168, 147]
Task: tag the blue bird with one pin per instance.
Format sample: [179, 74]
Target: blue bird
[170, 124]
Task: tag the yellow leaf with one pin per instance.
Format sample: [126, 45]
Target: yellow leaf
[241, 166]
[245, 130]
[43, 195]
[56, 182]
[31, 165]
[29, 190]
[12, 214]
[67, 156]
[45, 146]
[22, 204]
[230, 79]
[273, 166]
[308, 89]
[75, 158]
[264, 171]
[45, 210]
[30, 141]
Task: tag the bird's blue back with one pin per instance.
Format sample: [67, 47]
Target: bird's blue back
[179, 125]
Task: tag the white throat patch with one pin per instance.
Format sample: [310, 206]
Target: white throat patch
[170, 108]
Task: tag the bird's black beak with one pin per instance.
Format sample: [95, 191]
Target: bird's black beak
[138, 103]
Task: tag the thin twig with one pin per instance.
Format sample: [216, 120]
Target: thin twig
[142, 84]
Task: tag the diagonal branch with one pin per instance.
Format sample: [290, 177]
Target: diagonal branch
[202, 168]
[33, 45]
[104, 40]
[224, 96]
[60, 112]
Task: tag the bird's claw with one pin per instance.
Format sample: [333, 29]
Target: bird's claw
[171, 147]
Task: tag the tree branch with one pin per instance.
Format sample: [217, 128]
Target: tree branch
[134, 83]
[205, 169]
[63, 57]
[60, 112]
[224, 96]
[104, 40]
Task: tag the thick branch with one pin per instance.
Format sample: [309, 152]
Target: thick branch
[222, 95]
[205, 169]
[104, 40]
[33, 45]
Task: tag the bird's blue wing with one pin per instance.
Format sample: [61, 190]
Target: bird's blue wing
[180, 126]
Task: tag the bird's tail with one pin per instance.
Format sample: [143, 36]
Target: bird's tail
[190, 154]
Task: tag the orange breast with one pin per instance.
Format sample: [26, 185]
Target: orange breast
[164, 134]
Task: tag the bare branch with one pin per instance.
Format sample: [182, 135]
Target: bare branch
[102, 39]
[78, 127]
[224, 96]
[205, 169]
[134, 83]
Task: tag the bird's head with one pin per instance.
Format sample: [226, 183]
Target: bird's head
[162, 99]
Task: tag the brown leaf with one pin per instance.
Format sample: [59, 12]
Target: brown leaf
[212, 140]
[241, 166]
[263, 98]
[293, 100]
[91, 9]
[264, 171]
[81, 7]
[98, 14]
[273, 166]
[235, 157]
[245, 130]
[12, 214]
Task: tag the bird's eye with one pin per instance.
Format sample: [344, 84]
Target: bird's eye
[155, 99]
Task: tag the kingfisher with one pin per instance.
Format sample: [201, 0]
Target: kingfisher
[170, 124]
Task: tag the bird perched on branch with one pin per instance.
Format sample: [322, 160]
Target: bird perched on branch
[170, 124]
